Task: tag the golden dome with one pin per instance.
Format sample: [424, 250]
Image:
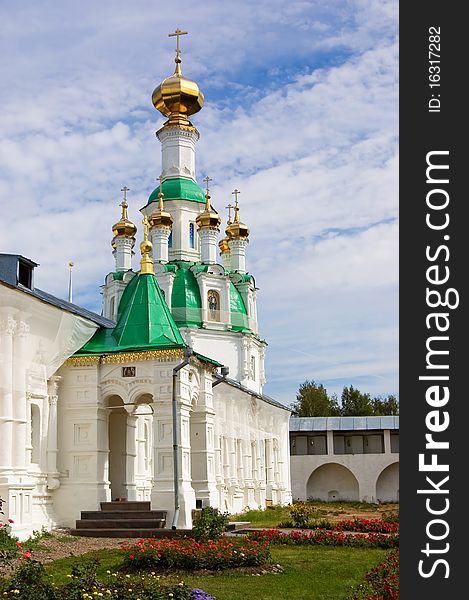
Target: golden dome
[178, 97]
[237, 230]
[209, 219]
[124, 227]
[161, 218]
[223, 245]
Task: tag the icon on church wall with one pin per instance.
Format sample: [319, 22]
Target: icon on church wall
[128, 371]
[213, 300]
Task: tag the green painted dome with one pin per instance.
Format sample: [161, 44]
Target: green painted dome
[186, 303]
[178, 188]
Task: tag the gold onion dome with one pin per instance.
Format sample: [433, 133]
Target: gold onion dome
[124, 227]
[178, 97]
[223, 245]
[209, 219]
[237, 230]
[161, 218]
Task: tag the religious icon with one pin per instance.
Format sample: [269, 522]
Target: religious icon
[128, 371]
[213, 302]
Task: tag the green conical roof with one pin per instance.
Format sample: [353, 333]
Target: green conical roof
[186, 303]
[144, 322]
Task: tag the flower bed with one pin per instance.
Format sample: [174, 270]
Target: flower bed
[186, 553]
[325, 537]
[367, 526]
[382, 582]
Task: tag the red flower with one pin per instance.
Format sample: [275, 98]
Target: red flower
[10, 521]
[19, 544]
[27, 554]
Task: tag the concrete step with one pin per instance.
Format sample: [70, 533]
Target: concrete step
[127, 505]
[120, 524]
[131, 533]
[123, 514]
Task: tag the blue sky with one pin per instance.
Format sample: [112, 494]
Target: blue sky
[301, 115]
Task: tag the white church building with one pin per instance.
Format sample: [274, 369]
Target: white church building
[159, 398]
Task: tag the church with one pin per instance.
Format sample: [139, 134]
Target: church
[160, 397]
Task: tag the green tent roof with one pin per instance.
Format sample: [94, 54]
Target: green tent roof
[178, 188]
[186, 303]
[239, 315]
[144, 322]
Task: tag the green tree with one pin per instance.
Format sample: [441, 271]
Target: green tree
[356, 404]
[312, 400]
[385, 406]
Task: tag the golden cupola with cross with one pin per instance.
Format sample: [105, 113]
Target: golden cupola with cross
[124, 237]
[178, 97]
[236, 230]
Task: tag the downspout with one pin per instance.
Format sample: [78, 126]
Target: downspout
[224, 372]
[187, 354]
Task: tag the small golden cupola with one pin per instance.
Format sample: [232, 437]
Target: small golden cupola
[161, 218]
[124, 227]
[236, 230]
[178, 97]
[209, 219]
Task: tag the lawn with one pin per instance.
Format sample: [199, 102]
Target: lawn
[310, 573]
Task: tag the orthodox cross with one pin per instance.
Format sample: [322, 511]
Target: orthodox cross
[177, 33]
[124, 204]
[236, 192]
[229, 207]
[160, 194]
[207, 179]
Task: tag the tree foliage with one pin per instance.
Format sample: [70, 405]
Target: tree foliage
[312, 400]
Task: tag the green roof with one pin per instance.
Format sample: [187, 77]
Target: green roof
[186, 303]
[144, 322]
[178, 188]
[239, 315]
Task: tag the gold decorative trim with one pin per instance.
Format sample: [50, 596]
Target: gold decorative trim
[124, 357]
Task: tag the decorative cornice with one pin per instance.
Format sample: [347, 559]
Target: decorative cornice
[124, 357]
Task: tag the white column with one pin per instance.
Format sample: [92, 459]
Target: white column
[159, 237]
[52, 450]
[208, 245]
[123, 253]
[177, 152]
[20, 415]
[8, 328]
[238, 255]
[131, 456]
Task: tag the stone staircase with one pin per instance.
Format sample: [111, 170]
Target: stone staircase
[126, 519]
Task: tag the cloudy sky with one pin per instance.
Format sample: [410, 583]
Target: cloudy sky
[301, 115]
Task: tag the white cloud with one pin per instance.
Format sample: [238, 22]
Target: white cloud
[301, 115]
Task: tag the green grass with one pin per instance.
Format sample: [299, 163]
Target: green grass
[270, 517]
[310, 573]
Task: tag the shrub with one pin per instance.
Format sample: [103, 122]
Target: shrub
[209, 524]
[300, 513]
[381, 583]
[187, 553]
[324, 537]
[29, 582]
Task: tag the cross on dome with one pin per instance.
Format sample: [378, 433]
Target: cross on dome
[177, 33]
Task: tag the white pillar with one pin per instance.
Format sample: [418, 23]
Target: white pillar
[52, 450]
[131, 456]
[8, 328]
[177, 152]
[208, 245]
[238, 255]
[159, 237]
[20, 415]
[123, 252]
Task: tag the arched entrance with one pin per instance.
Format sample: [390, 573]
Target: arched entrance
[130, 436]
[387, 484]
[332, 482]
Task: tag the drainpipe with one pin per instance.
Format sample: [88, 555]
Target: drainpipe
[187, 354]
[224, 373]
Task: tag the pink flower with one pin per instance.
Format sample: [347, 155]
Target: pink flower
[27, 554]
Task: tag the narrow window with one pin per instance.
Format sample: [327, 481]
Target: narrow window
[253, 368]
[35, 434]
[170, 240]
[191, 235]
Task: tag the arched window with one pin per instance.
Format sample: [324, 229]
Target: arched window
[191, 235]
[111, 308]
[35, 434]
[170, 240]
[213, 302]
